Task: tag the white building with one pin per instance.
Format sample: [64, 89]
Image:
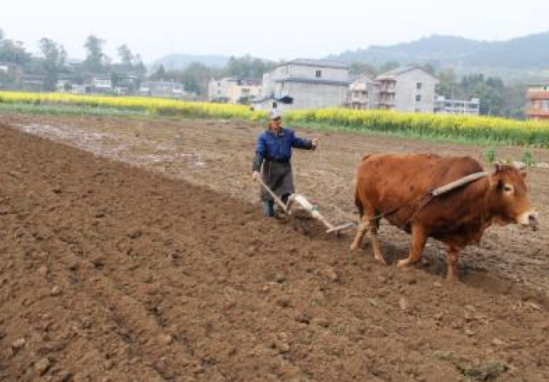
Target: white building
[233, 90]
[408, 89]
[457, 107]
[305, 84]
[101, 84]
[363, 93]
[63, 86]
[80, 89]
[162, 89]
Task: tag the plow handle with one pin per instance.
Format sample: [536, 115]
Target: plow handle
[274, 196]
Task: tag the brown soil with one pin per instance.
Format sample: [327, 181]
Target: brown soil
[113, 273]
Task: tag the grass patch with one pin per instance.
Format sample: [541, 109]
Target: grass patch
[69, 110]
[440, 128]
[485, 371]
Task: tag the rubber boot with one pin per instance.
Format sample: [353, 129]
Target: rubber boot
[268, 208]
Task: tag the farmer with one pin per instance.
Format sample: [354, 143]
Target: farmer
[274, 152]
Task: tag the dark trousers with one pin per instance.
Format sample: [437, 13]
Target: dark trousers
[278, 177]
[268, 206]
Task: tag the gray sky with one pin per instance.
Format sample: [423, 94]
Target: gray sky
[282, 29]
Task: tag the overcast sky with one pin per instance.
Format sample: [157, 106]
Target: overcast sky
[282, 29]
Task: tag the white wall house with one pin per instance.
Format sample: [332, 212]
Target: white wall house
[233, 90]
[407, 89]
[305, 84]
[162, 89]
[101, 84]
[363, 93]
[457, 107]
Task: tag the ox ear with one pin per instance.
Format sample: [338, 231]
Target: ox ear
[497, 168]
[522, 169]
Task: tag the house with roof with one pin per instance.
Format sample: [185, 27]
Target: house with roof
[445, 105]
[408, 89]
[305, 84]
[101, 84]
[233, 90]
[162, 89]
[538, 102]
[363, 93]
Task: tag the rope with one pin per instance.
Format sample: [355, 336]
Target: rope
[427, 198]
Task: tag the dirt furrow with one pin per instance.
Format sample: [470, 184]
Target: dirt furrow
[161, 280]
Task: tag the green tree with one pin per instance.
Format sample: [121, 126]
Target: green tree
[54, 59]
[247, 67]
[139, 66]
[126, 56]
[357, 68]
[13, 52]
[514, 103]
[448, 83]
[388, 66]
[196, 78]
[490, 91]
[159, 74]
[115, 78]
[95, 58]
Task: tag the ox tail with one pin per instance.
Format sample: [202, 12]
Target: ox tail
[358, 203]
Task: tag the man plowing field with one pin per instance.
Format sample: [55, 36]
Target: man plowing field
[272, 161]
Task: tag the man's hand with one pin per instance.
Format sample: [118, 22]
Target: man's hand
[255, 176]
[315, 143]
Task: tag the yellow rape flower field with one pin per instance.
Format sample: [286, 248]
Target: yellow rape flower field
[431, 126]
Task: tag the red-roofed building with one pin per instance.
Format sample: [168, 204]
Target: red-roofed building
[538, 102]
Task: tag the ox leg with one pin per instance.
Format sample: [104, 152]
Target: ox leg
[376, 243]
[361, 231]
[452, 258]
[419, 238]
[370, 226]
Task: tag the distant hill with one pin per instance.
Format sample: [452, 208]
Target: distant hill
[181, 61]
[524, 57]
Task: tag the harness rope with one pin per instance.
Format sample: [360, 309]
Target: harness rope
[427, 198]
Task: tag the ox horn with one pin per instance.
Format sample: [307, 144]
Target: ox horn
[520, 166]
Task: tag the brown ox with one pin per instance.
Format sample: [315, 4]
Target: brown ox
[394, 186]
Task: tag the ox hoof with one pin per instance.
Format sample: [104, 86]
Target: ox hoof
[350, 255]
[381, 260]
[403, 263]
[452, 280]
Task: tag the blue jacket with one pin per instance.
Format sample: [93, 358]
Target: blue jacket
[278, 147]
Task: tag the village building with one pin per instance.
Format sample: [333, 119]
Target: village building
[363, 93]
[457, 107]
[538, 102]
[233, 90]
[305, 84]
[408, 89]
[162, 89]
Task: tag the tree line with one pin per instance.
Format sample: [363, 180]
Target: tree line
[496, 97]
[53, 62]
[196, 75]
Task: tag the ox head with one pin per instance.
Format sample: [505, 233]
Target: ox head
[509, 199]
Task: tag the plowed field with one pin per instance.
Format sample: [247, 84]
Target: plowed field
[139, 255]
